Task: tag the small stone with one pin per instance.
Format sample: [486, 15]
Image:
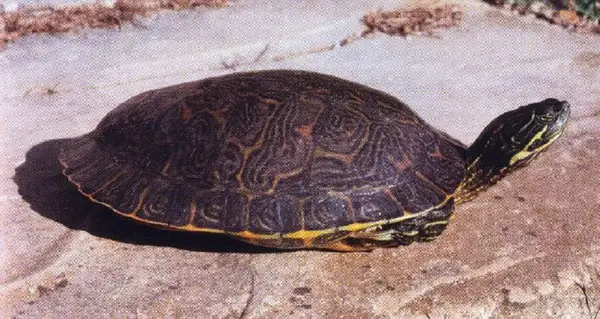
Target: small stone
[61, 281]
[33, 294]
[32, 290]
[302, 290]
[520, 296]
[567, 278]
[544, 288]
[44, 290]
[271, 301]
[568, 16]
[109, 3]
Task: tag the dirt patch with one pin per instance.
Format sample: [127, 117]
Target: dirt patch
[404, 22]
[14, 25]
[34, 293]
[563, 16]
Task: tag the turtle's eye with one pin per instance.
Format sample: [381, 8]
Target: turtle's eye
[548, 117]
[552, 110]
[556, 108]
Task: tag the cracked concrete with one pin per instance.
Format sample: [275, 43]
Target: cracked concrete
[523, 249]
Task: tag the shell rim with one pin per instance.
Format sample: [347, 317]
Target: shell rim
[246, 234]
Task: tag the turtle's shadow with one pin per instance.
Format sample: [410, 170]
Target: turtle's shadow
[49, 193]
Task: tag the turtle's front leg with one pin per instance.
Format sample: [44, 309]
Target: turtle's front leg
[425, 227]
[360, 241]
[422, 228]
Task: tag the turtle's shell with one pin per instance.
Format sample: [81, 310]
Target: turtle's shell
[273, 155]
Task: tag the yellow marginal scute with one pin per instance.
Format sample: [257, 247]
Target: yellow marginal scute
[250, 235]
[192, 228]
[306, 235]
[188, 227]
[310, 234]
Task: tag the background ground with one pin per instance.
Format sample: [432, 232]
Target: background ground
[529, 247]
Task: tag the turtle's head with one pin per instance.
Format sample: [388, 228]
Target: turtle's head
[514, 138]
[512, 141]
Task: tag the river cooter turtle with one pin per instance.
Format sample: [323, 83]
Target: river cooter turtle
[295, 159]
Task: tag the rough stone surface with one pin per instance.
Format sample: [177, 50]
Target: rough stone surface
[518, 296]
[525, 248]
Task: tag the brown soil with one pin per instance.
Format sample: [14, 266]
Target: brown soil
[31, 20]
[563, 16]
[420, 20]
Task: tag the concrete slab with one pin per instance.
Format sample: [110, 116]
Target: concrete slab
[519, 250]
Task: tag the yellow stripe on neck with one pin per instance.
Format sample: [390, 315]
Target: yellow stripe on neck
[525, 153]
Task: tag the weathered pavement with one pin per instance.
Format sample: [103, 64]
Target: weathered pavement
[523, 249]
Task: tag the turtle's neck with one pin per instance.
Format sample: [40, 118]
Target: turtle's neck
[487, 160]
[478, 177]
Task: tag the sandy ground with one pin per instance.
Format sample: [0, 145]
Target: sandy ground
[529, 247]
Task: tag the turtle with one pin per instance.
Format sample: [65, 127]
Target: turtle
[292, 159]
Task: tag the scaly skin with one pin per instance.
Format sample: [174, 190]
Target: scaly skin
[511, 142]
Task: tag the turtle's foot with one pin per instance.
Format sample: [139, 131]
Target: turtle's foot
[419, 230]
[425, 228]
[405, 234]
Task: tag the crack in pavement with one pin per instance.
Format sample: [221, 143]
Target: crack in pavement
[66, 245]
[250, 299]
[493, 268]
